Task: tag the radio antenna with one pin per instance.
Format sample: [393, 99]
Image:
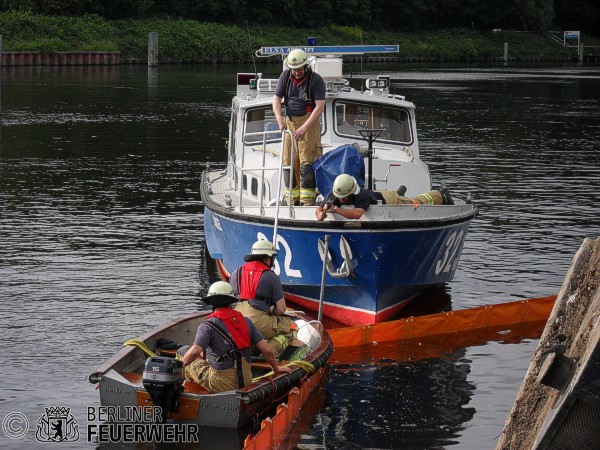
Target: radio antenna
[251, 50]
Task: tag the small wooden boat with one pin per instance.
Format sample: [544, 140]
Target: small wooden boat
[122, 379]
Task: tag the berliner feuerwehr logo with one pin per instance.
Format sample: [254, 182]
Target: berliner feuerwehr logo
[57, 425]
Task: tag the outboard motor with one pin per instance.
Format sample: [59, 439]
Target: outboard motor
[163, 379]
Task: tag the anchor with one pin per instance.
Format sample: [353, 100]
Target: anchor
[347, 267]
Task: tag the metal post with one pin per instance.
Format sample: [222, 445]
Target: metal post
[279, 178]
[506, 52]
[320, 315]
[581, 52]
[370, 135]
[153, 49]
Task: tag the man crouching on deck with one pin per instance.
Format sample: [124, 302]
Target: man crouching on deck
[224, 337]
[347, 192]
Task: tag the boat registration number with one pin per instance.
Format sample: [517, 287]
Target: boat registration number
[449, 259]
[287, 261]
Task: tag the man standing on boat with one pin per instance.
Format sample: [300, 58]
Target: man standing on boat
[346, 191]
[261, 296]
[225, 337]
[303, 94]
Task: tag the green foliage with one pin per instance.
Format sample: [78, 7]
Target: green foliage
[185, 41]
[354, 34]
[25, 26]
[389, 15]
[44, 46]
[535, 14]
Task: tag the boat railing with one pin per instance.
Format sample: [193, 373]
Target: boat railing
[262, 170]
[291, 181]
[243, 169]
[266, 85]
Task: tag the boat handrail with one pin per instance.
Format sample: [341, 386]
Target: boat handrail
[262, 169]
[260, 193]
[291, 180]
[259, 133]
[262, 178]
[266, 85]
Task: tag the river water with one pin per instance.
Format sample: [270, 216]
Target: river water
[101, 233]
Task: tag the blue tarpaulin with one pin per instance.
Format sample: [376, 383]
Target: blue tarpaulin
[344, 159]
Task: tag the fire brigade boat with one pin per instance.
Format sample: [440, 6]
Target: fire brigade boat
[374, 265]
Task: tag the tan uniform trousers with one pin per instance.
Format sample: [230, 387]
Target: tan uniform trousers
[428, 198]
[217, 380]
[277, 330]
[306, 151]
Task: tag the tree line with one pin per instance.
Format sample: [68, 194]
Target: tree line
[392, 15]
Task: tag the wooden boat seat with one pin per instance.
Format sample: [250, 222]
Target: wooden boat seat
[189, 387]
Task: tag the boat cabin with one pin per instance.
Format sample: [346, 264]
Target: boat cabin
[255, 143]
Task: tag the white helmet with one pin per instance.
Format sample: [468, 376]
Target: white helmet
[344, 185]
[220, 293]
[220, 288]
[261, 249]
[296, 59]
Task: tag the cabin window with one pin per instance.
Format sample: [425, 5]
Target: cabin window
[253, 192]
[261, 122]
[350, 117]
[322, 120]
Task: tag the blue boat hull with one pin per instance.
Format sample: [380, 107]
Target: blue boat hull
[391, 263]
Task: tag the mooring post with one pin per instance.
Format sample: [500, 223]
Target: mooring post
[152, 77]
[580, 50]
[153, 49]
[506, 52]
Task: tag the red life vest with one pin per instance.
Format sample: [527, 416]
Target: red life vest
[248, 279]
[236, 324]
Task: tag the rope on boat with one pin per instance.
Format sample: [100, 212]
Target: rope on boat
[307, 366]
[141, 345]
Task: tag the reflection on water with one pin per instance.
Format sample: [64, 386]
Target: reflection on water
[410, 404]
[101, 233]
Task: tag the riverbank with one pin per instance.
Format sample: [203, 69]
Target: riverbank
[186, 41]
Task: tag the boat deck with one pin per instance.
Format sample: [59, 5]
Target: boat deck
[221, 192]
[218, 194]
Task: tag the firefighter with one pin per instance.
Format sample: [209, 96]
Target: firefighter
[303, 94]
[347, 192]
[219, 358]
[261, 296]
